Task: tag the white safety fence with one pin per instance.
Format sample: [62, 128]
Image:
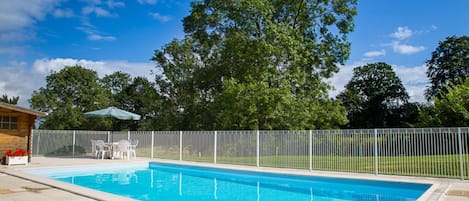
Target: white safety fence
[433, 152]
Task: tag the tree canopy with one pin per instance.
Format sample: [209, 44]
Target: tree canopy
[449, 63]
[68, 94]
[74, 90]
[256, 64]
[370, 96]
[451, 109]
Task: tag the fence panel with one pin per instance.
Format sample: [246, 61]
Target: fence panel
[52, 143]
[166, 145]
[198, 146]
[83, 141]
[143, 139]
[236, 147]
[119, 135]
[464, 155]
[422, 152]
[343, 150]
[435, 152]
[286, 149]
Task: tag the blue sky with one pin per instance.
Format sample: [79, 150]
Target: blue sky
[38, 36]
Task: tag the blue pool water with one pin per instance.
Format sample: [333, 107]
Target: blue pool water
[168, 182]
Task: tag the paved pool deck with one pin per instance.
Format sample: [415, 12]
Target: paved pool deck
[16, 185]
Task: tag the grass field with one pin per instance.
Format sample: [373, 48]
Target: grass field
[447, 166]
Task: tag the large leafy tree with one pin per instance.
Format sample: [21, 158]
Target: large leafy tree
[451, 109]
[405, 116]
[256, 64]
[115, 84]
[371, 95]
[140, 97]
[68, 94]
[449, 64]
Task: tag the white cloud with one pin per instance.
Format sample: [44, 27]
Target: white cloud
[98, 11]
[416, 93]
[17, 35]
[159, 17]
[93, 34]
[63, 13]
[399, 47]
[99, 37]
[406, 49]
[152, 2]
[17, 80]
[413, 78]
[45, 66]
[16, 50]
[402, 33]
[339, 80]
[375, 53]
[16, 15]
[18, 18]
[415, 75]
[113, 4]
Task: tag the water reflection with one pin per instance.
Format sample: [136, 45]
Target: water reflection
[215, 189]
[125, 177]
[192, 184]
[196, 187]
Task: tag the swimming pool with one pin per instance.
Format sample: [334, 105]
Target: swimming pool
[163, 181]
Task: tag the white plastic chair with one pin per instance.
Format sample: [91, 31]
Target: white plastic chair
[133, 148]
[123, 149]
[102, 149]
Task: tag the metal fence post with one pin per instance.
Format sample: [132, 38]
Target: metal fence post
[257, 149]
[180, 145]
[73, 144]
[376, 150]
[310, 150]
[215, 147]
[128, 135]
[30, 143]
[152, 143]
[461, 158]
[38, 143]
[108, 136]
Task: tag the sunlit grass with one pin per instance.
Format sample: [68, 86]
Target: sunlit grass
[430, 165]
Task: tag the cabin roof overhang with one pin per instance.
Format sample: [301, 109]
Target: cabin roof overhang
[22, 109]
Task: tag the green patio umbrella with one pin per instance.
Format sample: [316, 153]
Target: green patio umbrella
[113, 112]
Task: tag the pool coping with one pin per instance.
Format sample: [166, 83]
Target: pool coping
[436, 192]
[71, 188]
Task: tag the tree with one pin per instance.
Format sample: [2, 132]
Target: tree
[13, 100]
[115, 84]
[370, 96]
[68, 94]
[406, 115]
[256, 64]
[449, 64]
[141, 97]
[450, 109]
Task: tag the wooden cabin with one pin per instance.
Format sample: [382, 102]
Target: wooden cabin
[16, 125]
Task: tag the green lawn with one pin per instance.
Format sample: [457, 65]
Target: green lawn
[447, 166]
